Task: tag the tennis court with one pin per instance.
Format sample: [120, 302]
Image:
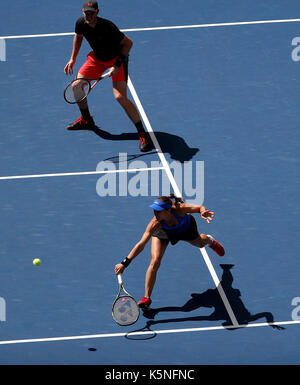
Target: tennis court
[216, 84]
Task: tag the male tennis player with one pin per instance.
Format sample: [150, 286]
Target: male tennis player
[172, 222]
[110, 50]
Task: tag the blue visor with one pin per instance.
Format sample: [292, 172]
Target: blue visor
[160, 206]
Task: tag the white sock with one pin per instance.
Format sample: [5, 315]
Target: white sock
[211, 239]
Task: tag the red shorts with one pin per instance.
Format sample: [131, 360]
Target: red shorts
[93, 68]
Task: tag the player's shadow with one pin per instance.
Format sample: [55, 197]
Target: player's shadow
[169, 143]
[212, 299]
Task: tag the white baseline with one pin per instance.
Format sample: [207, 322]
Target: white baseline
[144, 333]
[229, 24]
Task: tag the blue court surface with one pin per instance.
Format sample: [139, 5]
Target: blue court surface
[217, 86]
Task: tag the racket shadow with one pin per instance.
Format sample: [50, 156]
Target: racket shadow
[169, 143]
[142, 334]
[211, 299]
[128, 157]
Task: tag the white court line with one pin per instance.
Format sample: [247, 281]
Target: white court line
[178, 193]
[80, 173]
[230, 24]
[144, 333]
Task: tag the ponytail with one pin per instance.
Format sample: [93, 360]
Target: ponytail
[176, 199]
[170, 198]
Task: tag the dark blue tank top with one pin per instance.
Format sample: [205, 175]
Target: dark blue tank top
[183, 224]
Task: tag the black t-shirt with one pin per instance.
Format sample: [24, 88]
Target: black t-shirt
[105, 39]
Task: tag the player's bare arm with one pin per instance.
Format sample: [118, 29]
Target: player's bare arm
[152, 226]
[126, 47]
[196, 209]
[77, 41]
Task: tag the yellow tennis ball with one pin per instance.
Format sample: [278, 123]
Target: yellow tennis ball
[36, 262]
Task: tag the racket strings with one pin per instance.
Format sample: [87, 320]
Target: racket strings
[77, 90]
[125, 311]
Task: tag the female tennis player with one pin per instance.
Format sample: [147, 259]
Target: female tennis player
[172, 222]
[110, 50]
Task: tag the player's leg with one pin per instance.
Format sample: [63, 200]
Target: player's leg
[91, 69]
[120, 94]
[158, 248]
[207, 240]
[85, 122]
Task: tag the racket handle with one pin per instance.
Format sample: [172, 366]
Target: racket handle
[98, 80]
[104, 75]
[120, 279]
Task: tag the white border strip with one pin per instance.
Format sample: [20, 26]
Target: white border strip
[230, 24]
[144, 333]
[178, 193]
[80, 173]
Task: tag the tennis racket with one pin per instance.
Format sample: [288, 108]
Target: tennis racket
[78, 89]
[125, 310]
